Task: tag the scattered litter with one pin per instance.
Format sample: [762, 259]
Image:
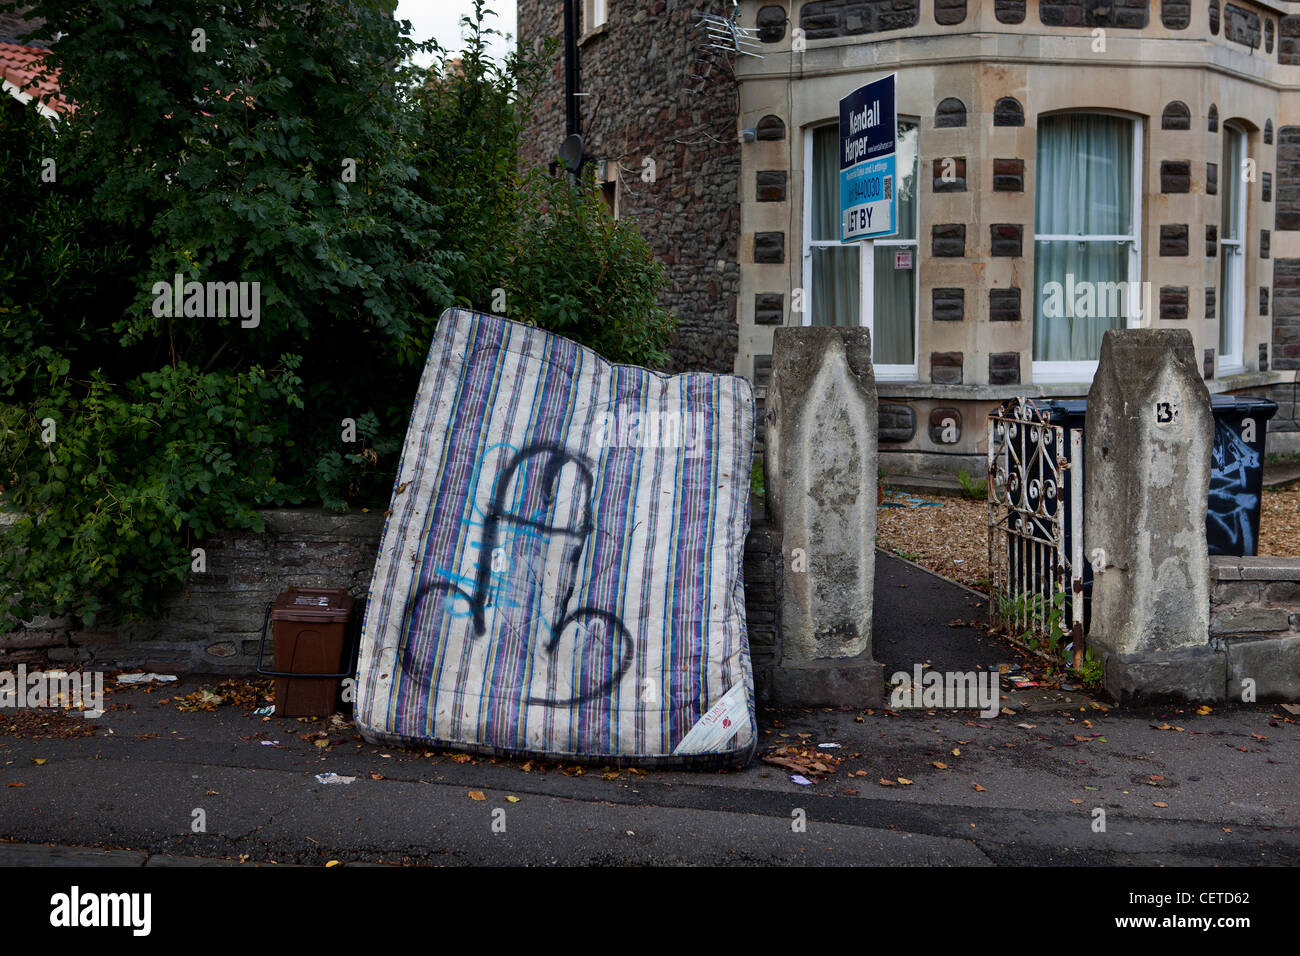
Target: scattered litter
[802, 781]
[1027, 726]
[144, 678]
[333, 778]
[828, 746]
[270, 743]
[266, 711]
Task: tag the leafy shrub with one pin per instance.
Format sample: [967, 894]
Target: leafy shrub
[235, 163]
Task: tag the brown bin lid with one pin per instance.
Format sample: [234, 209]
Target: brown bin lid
[322, 605]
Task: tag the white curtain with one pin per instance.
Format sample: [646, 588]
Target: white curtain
[1085, 187]
[893, 318]
[835, 269]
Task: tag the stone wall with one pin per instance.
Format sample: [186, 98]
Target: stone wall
[213, 624]
[639, 117]
[763, 568]
[1255, 620]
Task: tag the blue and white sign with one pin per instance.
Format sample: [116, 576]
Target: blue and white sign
[868, 204]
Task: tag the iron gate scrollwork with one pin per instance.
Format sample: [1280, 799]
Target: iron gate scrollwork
[1035, 586]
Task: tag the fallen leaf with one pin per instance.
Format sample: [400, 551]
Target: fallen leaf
[978, 787]
[17, 785]
[956, 751]
[376, 776]
[883, 783]
[332, 863]
[904, 781]
[939, 764]
[461, 758]
[1226, 829]
[1159, 803]
[38, 760]
[477, 795]
[1204, 709]
[512, 799]
[1076, 800]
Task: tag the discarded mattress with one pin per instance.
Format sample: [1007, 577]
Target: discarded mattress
[560, 570]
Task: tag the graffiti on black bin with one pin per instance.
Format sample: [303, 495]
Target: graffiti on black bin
[1232, 499]
[530, 536]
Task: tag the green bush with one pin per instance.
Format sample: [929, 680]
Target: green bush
[234, 164]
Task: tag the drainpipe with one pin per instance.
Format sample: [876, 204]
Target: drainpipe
[572, 121]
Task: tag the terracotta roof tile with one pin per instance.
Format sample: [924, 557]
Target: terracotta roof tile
[18, 65]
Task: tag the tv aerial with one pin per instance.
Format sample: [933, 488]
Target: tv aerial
[724, 39]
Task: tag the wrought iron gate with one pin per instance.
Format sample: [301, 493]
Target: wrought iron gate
[1035, 587]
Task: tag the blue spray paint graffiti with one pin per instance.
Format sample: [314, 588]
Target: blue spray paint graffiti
[525, 566]
[1234, 495]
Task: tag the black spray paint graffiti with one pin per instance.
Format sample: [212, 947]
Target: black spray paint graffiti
[1235, 480]
[504, 526]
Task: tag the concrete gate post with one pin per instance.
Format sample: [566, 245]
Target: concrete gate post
[1149, 435]
[820, 470]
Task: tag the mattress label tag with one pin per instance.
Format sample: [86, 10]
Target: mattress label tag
[715, 728]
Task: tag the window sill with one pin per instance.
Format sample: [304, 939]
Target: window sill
[593, 33]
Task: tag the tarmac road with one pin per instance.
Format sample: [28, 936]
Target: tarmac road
[1232, 797]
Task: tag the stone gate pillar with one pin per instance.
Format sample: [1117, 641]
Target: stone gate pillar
[1149, 434]
[820, 469]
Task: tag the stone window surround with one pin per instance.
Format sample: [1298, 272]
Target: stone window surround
[587, 14]
[927, 26]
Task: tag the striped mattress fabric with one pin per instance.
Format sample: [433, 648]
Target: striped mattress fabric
[560, 570]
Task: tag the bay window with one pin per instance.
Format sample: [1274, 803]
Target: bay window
[1087, 255]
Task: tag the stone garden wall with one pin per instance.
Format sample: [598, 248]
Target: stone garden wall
[1255, 620]
[214, 623]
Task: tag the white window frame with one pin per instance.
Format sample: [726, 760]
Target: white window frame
[1229, 363]
[594, 14]
[1080, 371]
[866, 263]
